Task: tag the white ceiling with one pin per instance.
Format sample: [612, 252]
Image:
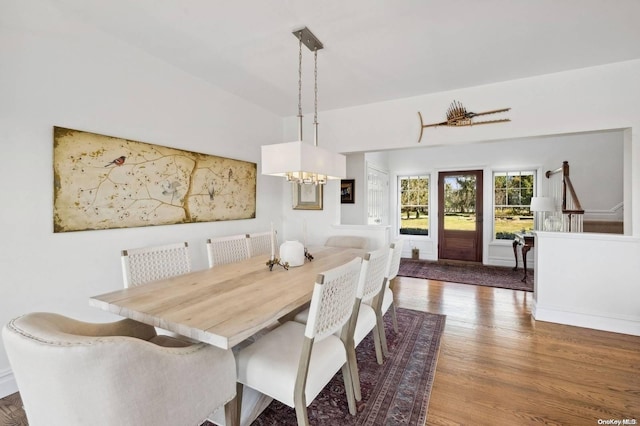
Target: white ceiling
[375, 50]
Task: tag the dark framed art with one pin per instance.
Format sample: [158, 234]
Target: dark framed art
[347, 191]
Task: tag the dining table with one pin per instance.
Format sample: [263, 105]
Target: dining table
[226, 304]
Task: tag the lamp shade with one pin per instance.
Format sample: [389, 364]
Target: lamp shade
[299, 160]
[542, 204]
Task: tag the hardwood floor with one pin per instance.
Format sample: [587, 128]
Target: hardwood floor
[497, 366]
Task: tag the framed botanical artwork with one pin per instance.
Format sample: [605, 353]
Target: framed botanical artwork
[105, 182]
[307, 196]
[348, 191]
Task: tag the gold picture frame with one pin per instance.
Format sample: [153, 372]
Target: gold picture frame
[307, 196]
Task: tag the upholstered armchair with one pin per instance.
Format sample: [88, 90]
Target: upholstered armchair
[350, 241]
[76, 373]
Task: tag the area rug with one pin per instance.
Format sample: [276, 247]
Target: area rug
[491, 276]
[395, 393]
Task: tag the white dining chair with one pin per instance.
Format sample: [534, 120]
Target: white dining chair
[230, 249]
[143, 265]
[260, 243]
[75, 373]
[388, 304]
[294, 362]
[364, 318]
[146, 264]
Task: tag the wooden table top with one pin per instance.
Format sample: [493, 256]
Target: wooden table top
[225, 304]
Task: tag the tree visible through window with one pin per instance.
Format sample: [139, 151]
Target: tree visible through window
[512, 199]
[460, 202]
[414, 205]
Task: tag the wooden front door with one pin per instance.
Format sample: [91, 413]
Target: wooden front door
[460, 215]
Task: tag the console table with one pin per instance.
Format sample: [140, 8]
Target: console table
[527, 241]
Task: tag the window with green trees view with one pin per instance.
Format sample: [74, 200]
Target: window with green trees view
[512, 199]
[414, 205]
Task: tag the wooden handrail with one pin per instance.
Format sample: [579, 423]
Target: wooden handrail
[549, 173]
[564, 169]
[574, 210]
[574, 197]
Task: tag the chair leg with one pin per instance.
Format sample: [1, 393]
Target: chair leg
[300, 403]
[348, 388]
[378, 345]
[301, 415]
[355, 375]
[393, 317]
[381, 334]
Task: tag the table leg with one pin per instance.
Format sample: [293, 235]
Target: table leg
[232, 409]
[515, 254]
[525, 250]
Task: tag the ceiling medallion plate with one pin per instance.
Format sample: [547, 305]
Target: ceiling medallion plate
[308, 39]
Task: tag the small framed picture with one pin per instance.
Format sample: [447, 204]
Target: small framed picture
[348, 191]
[307, 196]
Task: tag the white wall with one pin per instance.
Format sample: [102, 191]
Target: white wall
[590, 99]
[57, 71]
[599, 188]
[356, 213]
[319, 223]
[597, 287]
[358, 165]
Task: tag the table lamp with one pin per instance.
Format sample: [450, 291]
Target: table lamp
[542, 205]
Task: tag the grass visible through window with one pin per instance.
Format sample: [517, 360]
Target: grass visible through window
[505, 227]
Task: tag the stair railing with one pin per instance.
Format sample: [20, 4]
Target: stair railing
[564, 194]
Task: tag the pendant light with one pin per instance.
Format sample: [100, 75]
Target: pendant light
[301, 162]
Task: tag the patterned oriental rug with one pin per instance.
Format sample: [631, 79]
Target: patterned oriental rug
[491, 276]
[394, 393]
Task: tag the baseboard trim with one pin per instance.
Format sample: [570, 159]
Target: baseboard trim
[8, 383]
[613, 325]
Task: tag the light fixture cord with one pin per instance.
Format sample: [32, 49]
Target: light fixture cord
[300, 87]
[315, 99]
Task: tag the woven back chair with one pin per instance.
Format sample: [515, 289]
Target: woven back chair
[223, 250]
[394, 259]
[260, 243]
[364, 318]
[374, 278]
[143, 265]
[395, 253]
[294, 362]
